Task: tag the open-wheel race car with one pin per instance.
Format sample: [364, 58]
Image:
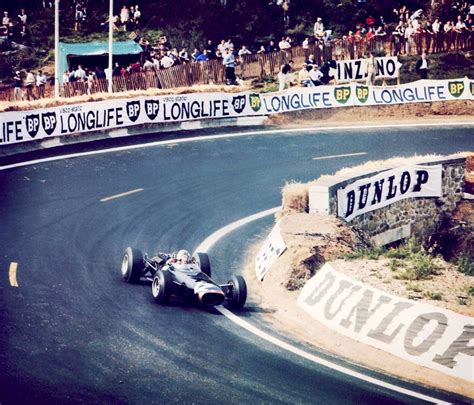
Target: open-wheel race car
[179, 274]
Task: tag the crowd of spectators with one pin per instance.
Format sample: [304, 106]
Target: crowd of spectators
[14, 26]
[413, 32]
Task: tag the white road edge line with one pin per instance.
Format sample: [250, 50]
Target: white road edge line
[233, 135]
[12, 274]
[214, 238]
[338, 156]
[113, 197]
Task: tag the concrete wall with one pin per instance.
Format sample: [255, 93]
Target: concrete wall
[417, 217]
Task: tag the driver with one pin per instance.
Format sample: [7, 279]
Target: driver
[183, 257]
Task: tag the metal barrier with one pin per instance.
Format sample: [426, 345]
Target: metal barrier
[259, 65]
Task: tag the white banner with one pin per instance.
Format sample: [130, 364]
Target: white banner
[356, 69]
[272, 249]
[23, 126]
[423, 334]
[385, 188]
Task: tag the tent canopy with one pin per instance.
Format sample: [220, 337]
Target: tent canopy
[94, 48]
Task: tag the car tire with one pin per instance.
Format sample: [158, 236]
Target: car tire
[204, 263]
[161, 287]
[132, 265]
[238, 294]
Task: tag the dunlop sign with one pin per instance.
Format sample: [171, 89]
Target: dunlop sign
[385, 188]
[423, 334]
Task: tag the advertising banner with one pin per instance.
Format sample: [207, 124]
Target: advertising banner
[356, 69]
[385, 188]
[272, 249]
[23, 126]
[431, 336]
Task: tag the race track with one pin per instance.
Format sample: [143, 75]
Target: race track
[73, 332]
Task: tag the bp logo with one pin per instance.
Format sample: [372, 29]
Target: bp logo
[238, 102]
[32, 123]
[456, 88]
[133, 110]
[49, 122]
[255, 102]
[362, 93]
[342, 94]
[151, 108]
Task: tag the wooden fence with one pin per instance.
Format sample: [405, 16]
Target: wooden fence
[256, 65]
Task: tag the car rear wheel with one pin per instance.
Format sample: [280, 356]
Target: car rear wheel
[161, 287]
[238, 293]
[204, 263]
[132, 265]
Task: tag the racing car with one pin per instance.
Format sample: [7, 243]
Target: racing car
[179, 274]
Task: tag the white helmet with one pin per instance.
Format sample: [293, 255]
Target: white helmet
[183, 256]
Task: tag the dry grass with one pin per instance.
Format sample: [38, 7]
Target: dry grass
[50, 102]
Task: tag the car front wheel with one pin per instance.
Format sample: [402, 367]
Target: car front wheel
[238, 293]
[132, 265]
[161, 287]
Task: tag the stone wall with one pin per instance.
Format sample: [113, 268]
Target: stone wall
[418, 217]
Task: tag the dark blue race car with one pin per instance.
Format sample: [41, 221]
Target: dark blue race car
[179, 274]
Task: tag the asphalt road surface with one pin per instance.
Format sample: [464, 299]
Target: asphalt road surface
[71, 331]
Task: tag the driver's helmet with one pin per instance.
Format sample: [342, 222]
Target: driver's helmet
[183, 257]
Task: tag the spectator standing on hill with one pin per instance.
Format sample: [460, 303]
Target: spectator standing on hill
[437, 35]
[285, 75]
[318, 28]
[137, 15]
[244, 51]
[124, 17]
[17, 93]
[40, 83]
[422, 66]
[29, 83]
[271, 47]
[371, 69]
[80, 74]
[409, 38]
[229, 64]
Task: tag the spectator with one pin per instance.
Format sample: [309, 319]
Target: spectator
[137, 15]
[437, 35]
[422, 66]
[285, 76]
[371, 64]
[124, 17]
[284, 44]
[40, 83]
[80, 74]
[166, 61]
[202, 57]
[318, 28]
[409, 38]
[311, 61]
[261, 50]
[80, 16]
[305, 46]
[6, 24]
[148, 66]
[244, 51]
[303, 76]
[116, 71]
[220, 49]
[315, 76]
[17, 93]
[271, 47]
[211, 50]
[286, 12]
[29, 83]
[184, 56]
[229, 64]
[380, 36]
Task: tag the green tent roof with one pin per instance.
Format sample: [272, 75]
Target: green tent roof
[93, 48]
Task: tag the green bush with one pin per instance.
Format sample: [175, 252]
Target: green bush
[466, 265]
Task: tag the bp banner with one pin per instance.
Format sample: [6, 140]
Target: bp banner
[415, 92]
[424, 334]
[24, 126]
[356, 69]
[385, 188]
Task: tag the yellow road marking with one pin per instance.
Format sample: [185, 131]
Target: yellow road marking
[121, 195]
[12, 274]
[338, 156]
